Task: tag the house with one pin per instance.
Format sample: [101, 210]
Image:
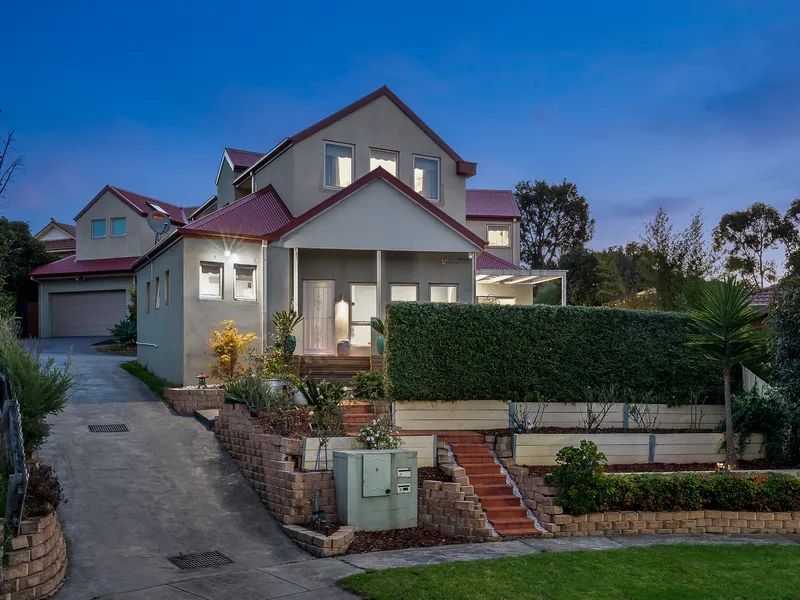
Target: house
[85, 293]
[58, 238]
[367, 206]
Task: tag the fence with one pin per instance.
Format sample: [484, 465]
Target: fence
[752, 382]
[14, 453]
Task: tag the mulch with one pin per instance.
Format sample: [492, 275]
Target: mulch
[400, 539]
[744, 465]
[509, 431]
[432, 474]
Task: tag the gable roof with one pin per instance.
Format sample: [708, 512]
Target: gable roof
[242, 159]
[463, 167]
[492, 204]
[59, 246]
[760, 298]
[71, 267]
[65, 227]
[379, 173]
[140, 204]
[485, 260]
[255, 216]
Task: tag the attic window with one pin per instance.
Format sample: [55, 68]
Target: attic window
[426, 177]
[339, 165]
[383, 158]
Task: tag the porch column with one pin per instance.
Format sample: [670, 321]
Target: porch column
[378, 286]
[264, 308]
[564, 289]
[295, 283]
[473, 258]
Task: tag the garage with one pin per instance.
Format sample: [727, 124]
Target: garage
[77, 314]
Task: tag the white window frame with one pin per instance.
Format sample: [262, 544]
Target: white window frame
[112, 226]
[396, 159]
[414, 158]
[158, 293]
[442, 285]
[489, 243]
[255, 283]
[360, 323]
[325, 162]
[105, 229]
[405, 285]
[221, 280]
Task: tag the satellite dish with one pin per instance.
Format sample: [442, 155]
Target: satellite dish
[159, 221]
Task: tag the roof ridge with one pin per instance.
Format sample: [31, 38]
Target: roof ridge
[124, 191]
[247, 151]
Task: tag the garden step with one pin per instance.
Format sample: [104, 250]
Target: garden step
[357, 409]
[514, 532]
[494, 478]
[470, 448]
[478, 468]
[474, 458]
[358, 418]
[207, 417]
[495, 501]
[505, 512]
[483, 490]
[460, 437]
[504, 526]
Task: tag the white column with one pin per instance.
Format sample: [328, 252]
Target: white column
[378, 286]
[473, 256]
[564, 289]
[264, 307]
[295, 281]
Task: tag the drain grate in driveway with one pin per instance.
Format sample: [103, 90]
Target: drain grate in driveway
[199, 560]
[110, 428]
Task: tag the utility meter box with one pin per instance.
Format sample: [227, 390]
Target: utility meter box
[376, 489]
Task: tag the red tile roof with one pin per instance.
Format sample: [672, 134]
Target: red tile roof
[139, 203]
[380, 173]
[490, 261]
[492, 204]
[71, 267]
[64, 245]
[243, 159]
[257, 215]
[760, 298]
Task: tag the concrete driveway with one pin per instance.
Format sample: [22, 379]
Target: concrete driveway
[135, 498]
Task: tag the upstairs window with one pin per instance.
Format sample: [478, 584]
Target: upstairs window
[147, 297]
[383, 158]
[99, 228]
[158, 293]
[426, 177]
[499, 236]
[244, 287]
[211, 280]
[166, 288]
[444, 293]
[339, 165]
[118, 227]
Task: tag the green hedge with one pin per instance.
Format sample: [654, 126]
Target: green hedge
[774, 492]
[479, 351]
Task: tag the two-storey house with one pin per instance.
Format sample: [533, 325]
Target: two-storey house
[365, 207]
[85, 293]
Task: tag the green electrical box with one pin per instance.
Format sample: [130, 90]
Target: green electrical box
[376, 489]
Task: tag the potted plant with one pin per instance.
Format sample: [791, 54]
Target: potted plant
[380, 327]
[285, 321]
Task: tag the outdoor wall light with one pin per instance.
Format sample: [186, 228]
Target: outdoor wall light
[227, 253]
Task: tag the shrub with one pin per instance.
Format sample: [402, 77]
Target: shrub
[378, 436]
[769, 414]
[44, 492]
[785, 321]
[283, 417]
[249, 390]
[368, 385]
[124, 332]
[437, 351]
[228, 346]
[579, 476]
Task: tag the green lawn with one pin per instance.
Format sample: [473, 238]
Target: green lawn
[661, 572]
[154, 383]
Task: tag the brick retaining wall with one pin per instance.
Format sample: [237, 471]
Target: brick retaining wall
[268, 462]
[320, 545]
[185, 401]
[37, 561]
[452, 509]
[541, 498]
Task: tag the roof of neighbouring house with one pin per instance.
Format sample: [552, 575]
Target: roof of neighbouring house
[760, 298]
[492, 204]
[243, 159]
[257, 215]
[141, 204]
[65, 227]
[486, 260]
[71, 267]
[63, 245]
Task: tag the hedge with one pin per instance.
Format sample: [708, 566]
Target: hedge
[773, 492]
[437, 351]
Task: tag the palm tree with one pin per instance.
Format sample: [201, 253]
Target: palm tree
[726, 335]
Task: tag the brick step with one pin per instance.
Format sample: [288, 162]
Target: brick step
[519, 524]
[455, 437]
[357, 409]
[515, 532]
[479, 468]
[505, 512]
[491, 479]
[492, 489]
[496, 501]
[358, 418]
[470, 448]
[474, 458]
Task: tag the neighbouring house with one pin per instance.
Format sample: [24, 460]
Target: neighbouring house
[58, 238]
[85, 293]
[367, 206]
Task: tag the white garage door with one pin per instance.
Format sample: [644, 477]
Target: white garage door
[87, 313]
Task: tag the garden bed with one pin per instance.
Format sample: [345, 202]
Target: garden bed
[431, 474]
[400, 539]
[582, 430]
[744, 465]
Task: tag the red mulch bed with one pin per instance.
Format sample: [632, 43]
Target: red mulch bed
[744, 465]
[509, 431]
[400, 539]
[431, 473]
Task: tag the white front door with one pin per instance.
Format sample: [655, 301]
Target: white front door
[318, 316]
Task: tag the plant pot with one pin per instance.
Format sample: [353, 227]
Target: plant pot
[343, 348]
[291, 345]
[275, 385]
[299, 398]
[380, 344]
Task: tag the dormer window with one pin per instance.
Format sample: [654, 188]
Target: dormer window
[339, 165]
[98, 228]
[383, 158]
[426, 177]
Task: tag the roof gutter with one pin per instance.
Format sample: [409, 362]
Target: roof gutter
[142, 260]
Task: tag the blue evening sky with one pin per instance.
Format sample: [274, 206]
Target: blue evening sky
[683, 103]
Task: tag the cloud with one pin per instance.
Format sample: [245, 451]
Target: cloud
[646, 207]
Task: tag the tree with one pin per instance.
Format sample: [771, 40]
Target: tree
[8, 166]
[726, 335]
[20, 253]
[610, 283]
[555, 219]
[792, 240]
[675, 263]
[748, 235]
[581, 266]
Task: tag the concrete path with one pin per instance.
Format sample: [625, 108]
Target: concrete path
[164, 488]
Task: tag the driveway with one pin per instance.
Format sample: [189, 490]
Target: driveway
[164, 488]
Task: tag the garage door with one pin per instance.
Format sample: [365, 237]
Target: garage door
[87, 313]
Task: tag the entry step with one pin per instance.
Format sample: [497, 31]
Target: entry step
[207, 417]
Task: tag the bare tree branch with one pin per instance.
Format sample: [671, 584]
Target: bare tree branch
[9, 167]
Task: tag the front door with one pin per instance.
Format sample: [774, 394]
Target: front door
[318, 316]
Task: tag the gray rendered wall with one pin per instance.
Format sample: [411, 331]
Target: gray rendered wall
[510, 254]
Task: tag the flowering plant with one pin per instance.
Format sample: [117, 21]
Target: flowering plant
[378, 436]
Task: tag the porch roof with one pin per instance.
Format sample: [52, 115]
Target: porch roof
[493, 269]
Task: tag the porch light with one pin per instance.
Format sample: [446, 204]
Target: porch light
[341, 320]
[227, 253]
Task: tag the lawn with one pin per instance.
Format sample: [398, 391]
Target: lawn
[154, 383]
[662, 572]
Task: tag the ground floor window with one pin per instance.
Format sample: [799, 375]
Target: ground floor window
[363, 305]
[403, 292]
[210, 280]
[244, 282]
[444, 293]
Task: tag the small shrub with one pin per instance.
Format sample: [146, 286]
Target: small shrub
[124, 332]
[643, 411]
[368, 385]
[249, 390]
[378, 436]
[767, 413]
[283, 417]
[580, 477]
[598, 404]
[529, 416]
[323, 393]
[44, 492]
[229, 346]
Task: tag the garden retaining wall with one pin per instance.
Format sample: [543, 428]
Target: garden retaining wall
[541, 498]
[270, 462]
[37, 561]
[185, 401]
[452, 509]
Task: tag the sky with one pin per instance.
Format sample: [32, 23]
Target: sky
[687, 105]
